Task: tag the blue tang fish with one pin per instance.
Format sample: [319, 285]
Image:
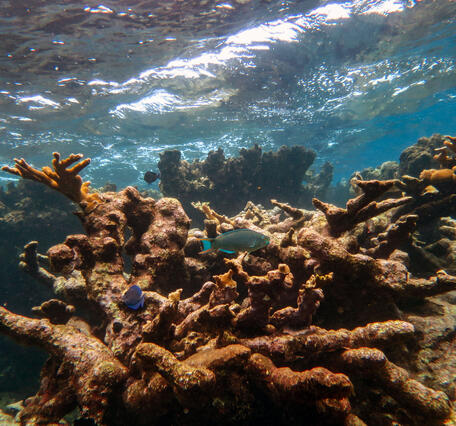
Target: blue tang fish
[133, 297]
[238, 240]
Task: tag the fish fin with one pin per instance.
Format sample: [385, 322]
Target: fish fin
[207, 244]
[136, 306]
[227, 251]
[205, 251]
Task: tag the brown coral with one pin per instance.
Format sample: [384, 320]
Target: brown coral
[445, 154]
[241, 346]
[63, 178]
[361, 208]
[94, 373]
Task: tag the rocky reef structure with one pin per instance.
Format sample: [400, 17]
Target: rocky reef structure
[27, 208]
[433, 202]
[425, 173]
[412, 161]
[311, 326]
[257, 176]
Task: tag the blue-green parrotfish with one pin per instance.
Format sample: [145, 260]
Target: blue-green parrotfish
[133, 297]
[238, 240]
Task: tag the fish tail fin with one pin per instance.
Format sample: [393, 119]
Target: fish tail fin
[207, 245]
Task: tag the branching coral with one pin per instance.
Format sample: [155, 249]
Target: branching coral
[433, 198]
[92, 372]
[242, 346]
[446, 154]
[229, 183]
[63, 178]
[361, 208]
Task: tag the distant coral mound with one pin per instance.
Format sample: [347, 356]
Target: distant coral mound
[228, 183]
[420, 156]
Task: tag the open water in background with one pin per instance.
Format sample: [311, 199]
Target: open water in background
[357, 81]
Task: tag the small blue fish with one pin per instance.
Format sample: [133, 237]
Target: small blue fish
[235, 241]
[133, 297]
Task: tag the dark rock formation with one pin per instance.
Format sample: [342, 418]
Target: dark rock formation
[420, 156]
[228, 183]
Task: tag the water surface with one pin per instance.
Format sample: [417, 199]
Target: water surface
[357, 81]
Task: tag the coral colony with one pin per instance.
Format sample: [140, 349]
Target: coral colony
[257, 176]
[310, 328]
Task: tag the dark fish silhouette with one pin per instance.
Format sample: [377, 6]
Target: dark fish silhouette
[151, 177]
[237, 240]
[133, 297]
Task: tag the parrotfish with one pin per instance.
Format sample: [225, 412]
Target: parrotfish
[133, 297]
[238, 240]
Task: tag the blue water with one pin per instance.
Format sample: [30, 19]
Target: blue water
[357, 81]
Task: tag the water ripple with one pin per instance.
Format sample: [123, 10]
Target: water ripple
[136, 78]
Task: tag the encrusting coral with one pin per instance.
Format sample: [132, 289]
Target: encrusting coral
[229, 339]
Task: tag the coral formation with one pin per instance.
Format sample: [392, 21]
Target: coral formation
[27, 208]
[63, 178]
[420, 156]
[433, 199]
[229, 183]
[313, 325]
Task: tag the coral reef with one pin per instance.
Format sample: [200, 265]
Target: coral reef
[361, 208]
[229, 183]
[433, 200]
[420, 156]
[27, 208]
[424, 173]
[311, 326]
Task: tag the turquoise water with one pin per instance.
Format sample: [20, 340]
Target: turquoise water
[357, 81]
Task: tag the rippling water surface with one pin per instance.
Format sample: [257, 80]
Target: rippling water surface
[357, 81]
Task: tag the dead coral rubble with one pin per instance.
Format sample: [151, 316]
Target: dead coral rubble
[235, 349]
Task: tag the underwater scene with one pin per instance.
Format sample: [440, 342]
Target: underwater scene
[228, 212]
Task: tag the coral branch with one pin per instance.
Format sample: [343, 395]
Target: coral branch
[192, 384]
[29, 262]
[317, 385]
[361, 208]
[420, 287]
[57, 311]
[397, 234]
[63, 178]
[95, 372]
[314, 341]
[397, 382]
